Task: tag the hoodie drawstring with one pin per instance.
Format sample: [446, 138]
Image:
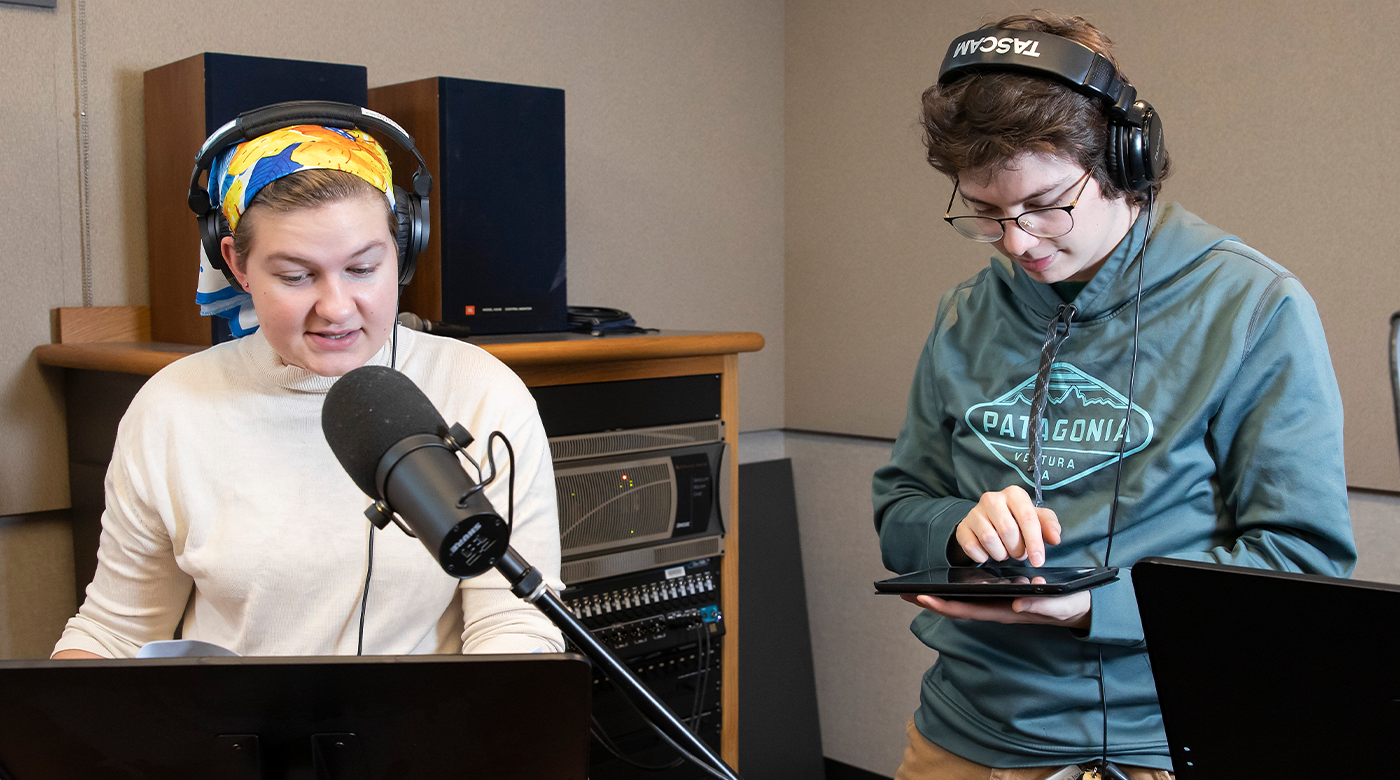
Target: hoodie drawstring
[1054, 338]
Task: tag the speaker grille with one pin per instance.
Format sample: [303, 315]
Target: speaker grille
[593, 445]
[601, 507]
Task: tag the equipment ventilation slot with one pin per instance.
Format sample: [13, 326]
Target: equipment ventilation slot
[616, 505]
[574, 572]
[595, 445]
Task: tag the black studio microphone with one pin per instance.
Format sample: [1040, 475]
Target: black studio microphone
[397, 448]
[400, 452]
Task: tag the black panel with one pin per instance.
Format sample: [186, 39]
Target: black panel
[1271, 674]
[779, 733]
[501, 179]
[568, 410]
[401, 717]
[835, 770]
[234, 83]
[88, 497]
[95, 402]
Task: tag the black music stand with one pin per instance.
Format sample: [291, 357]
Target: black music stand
[1270, 674]
[305, 718]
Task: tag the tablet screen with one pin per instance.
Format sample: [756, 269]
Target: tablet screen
[999, 580]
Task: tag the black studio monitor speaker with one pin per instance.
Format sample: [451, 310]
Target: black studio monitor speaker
[185, 102]
[495, 260]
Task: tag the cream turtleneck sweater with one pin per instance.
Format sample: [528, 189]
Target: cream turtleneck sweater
[226, 507]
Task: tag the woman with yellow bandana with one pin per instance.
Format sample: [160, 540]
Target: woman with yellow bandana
[227, 510]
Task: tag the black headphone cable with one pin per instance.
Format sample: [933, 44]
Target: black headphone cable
[369, 565]
[1103, 767]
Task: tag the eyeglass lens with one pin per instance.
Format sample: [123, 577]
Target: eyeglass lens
[1050, 223]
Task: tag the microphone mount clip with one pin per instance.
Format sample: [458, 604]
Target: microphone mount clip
[458, 438]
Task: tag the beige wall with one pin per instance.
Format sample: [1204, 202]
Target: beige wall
[674, 167]
[39, 247]
[1281, 118]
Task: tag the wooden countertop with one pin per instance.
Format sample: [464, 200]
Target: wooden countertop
[148, 357]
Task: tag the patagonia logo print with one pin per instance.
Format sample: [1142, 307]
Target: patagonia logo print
[1083, 427]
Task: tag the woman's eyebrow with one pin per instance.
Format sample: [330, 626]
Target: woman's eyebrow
[292, 258]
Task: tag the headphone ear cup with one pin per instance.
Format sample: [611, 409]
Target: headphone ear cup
[1154, 147]
[1113, 155]
[212, 230]
[403, 219]
[1136, 154]
[410, 216]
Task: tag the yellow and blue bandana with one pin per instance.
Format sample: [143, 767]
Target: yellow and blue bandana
[241, 171]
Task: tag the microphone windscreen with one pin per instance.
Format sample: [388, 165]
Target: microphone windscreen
[369, 410]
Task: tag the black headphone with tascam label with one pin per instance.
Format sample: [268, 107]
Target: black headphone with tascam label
[1134, 156]
[410, 208]
[1135, 152]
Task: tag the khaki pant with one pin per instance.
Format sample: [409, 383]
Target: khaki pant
[924, 760]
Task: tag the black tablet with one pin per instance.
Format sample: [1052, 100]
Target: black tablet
[999, 580]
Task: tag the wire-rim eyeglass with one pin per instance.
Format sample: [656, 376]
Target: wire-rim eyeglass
[1049, 222]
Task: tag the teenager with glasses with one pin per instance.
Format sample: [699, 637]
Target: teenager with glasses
[1188, 409]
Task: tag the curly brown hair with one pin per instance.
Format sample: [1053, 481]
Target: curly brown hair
[984, 121]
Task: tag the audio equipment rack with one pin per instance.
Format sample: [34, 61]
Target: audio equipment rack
[665, 624]
[639, 474]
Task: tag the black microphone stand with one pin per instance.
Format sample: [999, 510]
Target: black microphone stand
[528, 584]
[470, 538]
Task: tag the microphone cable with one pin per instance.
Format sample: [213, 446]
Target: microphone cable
[684, 754]
[364, 596]
[702, 676]
[596, 729]
[482, 481]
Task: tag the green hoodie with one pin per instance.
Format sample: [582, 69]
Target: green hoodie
[1234, 455]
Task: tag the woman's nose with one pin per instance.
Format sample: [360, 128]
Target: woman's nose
[334, 303]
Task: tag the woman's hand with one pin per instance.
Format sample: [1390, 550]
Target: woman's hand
[1070, 611]
[1007, 524]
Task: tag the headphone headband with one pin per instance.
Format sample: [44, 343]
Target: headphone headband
[411, 210]
[1040, 54]
[261, 121]
[1134, 148]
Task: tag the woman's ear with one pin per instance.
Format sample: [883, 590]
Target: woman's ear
[231, 260]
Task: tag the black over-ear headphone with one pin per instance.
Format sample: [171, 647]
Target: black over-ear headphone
[1135, 151]
[410, 208]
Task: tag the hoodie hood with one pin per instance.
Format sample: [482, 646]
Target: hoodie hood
[1176, 239]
